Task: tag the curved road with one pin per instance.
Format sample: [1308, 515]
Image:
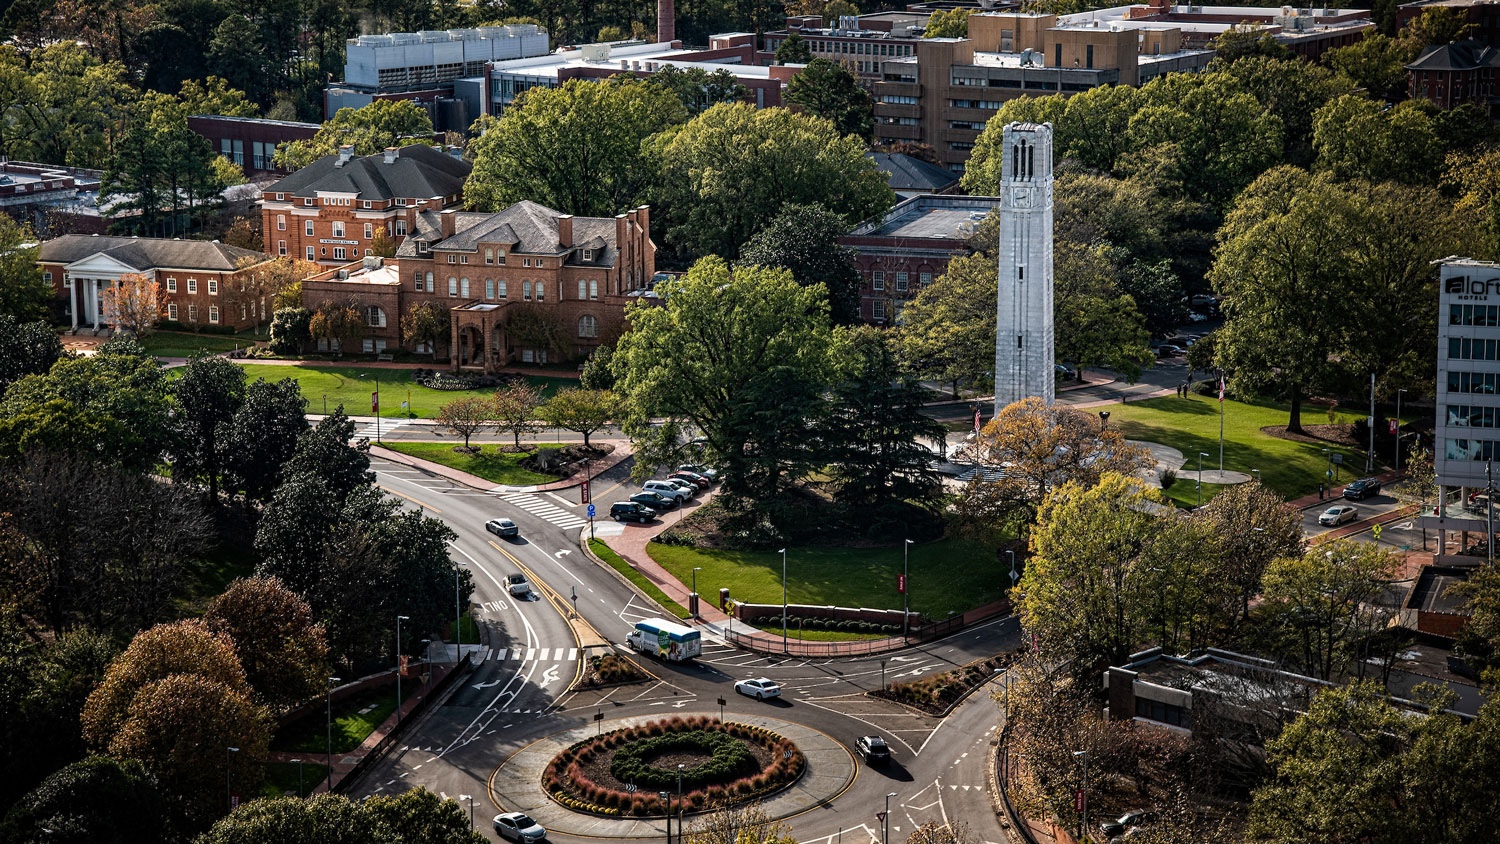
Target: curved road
[530, 658]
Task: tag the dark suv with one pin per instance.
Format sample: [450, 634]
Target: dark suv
[1362, 488]
[630, 511]
[873, 750]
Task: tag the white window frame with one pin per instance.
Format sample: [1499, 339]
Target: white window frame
[452, 286]
[311, 254]
[281, 247]
[339, 254]
[369, 230]
[281, 222]
[307, 228]
[172, 311]
[213, 287]
[192, 285]
[171, 284]
[213, 314]
[588, 326]
[338, 228]
[541, 291]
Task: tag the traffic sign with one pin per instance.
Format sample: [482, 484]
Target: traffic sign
[591, 511]
[880, 817]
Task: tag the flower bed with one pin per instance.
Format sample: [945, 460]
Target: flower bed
[621, 772]
[938, 693]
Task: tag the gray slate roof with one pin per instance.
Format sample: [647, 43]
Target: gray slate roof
[528, 228]
[147, 253]
[1463, 55]
[905, 172]
[419, 172]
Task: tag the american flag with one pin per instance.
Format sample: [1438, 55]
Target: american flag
[1221, 389]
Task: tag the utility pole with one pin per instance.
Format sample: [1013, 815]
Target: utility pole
[1370, 455]
[1398, 431]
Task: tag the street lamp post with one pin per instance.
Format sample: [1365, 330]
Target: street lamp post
[332, 681]
[1398, 430]
[1083, 829]
[1013, 576]
[229, 775]
[885, 820]
[1103, 419]
[680, 767]
[470, 798]
[906, 589]
[696, 569]
[399, 619]
[1256, 473]
[458, 612]
[666, 798]
[784, 647]
[1201, 455]
[299, 777]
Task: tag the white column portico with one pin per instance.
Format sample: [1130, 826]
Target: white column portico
[1024, 357]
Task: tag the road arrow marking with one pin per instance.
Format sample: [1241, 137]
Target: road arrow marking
[549, 676]
[486, 685]
[561, 554]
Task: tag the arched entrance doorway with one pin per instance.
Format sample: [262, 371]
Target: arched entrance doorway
[470, 351]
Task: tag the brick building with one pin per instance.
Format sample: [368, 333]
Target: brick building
[1454, 74]
[250, 141]
[524, 285]
[1482, 15]
[329, 211]
[902, 252]
[196, 278]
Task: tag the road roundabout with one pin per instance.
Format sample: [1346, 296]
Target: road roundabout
[521, 783]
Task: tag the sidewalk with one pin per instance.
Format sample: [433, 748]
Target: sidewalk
[595, 468]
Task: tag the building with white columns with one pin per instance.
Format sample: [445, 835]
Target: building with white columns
[1024, 360]
[196, 278]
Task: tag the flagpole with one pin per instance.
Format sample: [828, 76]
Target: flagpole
[1221, 426]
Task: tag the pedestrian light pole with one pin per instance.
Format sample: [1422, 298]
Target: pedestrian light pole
[1398, 431]
[332, 681]
[399, 619]
[784, 647]
[458, 612]
[229, 775]
[1201, 455]
[1083, 794]
[885, 820]
[906, 589]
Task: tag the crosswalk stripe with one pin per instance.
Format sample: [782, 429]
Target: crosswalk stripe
[531, 653]
[572, 654]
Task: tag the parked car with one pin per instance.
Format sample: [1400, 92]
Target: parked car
[1064, 373]
[711, 474]
[1167, 350]
[693, 478]
[516, 585]
[1362, 488]
[515, 826]
[655, 500]
[631, 511]
[686, 486]
[1477, 502]
[668, 489]
[1203, 300]
[759, 689]
[1194, 316]
[1127, 821]
[873, 750]
[1335, 516]
[502, 527]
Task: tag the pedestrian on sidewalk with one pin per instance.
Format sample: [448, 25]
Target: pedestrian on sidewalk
[1320, 492]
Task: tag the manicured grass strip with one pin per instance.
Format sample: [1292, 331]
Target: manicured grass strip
[182, 344]
[824, 635]
[342, 385]
[281, 778]
[492, 465]
[652, 591]
[353, 720]
[947, 577]
[1185, 494]
[1191, 425]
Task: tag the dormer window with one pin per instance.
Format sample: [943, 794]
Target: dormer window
[422, 247]
[588, 255]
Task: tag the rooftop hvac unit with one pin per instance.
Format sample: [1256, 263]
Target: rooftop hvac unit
[492, 32]
[405, 38]
[595, 52]
[431, 36]
[463, 34]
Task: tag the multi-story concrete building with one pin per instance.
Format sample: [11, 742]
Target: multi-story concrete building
[1024, 356]
[330, 211]
[1451, 75]
[527, 284]
[196, 278]
[37, 193]
[901, 253]
[858, 43]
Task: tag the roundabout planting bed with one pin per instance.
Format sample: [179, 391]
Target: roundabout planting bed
[620, 773]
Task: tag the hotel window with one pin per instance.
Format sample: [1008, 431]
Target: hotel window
[172, 311]
[311, 256]
[171, 285]
[593, 288]
[877, 281]
[463, 287]
[338, 253]
[213, 287]
[192, 285]
[541, 291]
[280, 247]
[281, 222]
[338, 228]
[452, 286]
[213, 314]
[526, 290]
[369, 230]
[501, 289]
[489, 255]
[588, 326]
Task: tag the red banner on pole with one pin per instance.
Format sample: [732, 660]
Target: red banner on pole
[901, 584]
[374, 402]
[1394, 425]
[1078, 801]
[585, 490]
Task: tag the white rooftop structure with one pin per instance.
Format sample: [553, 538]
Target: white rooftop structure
[424, 59]
[620, 58]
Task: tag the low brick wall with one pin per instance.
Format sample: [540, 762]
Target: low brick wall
[752, 613]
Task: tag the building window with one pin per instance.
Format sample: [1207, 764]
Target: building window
[452, 259]
[1163, 713]
[489, 288]
[593, 288]
[525, 262]
[369, 230]
[588, 255]
[374, 317]
[900, 282]
[463, 287]
[463, 259]
[489, 255]
[429, 283]
[213, 287]
[307, 228]
[400, 228]
[416, 281]
[1466, 348]
[877, 309]
[307, 203]
[192, 285]
[877, 280]
[192, 313]
[400, 202]
[311, 256]
[171, 285]
[280, 247]
[280, 197]
[526, 291]
[924, 278]
[281, 222]
[588, 326]
[213, 314]
[172, 311]
[338, 253]
[452, 286]
[583, 289]
[364, 203]
[541, 291]
[501, 289]
[1484, 383]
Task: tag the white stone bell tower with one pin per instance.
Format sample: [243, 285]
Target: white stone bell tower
[1023, 310]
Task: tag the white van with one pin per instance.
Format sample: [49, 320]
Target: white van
[667, 489]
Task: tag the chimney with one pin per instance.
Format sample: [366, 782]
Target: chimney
[450, 223]
[666, 21]
[391, 154]
[565, 231]
[622, 227]
[346, 152]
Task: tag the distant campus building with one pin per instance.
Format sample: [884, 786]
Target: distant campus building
[1467, 434]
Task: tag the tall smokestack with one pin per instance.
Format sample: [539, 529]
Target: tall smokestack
[666, 21]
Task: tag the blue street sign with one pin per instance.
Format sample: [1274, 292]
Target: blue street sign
[591, 511]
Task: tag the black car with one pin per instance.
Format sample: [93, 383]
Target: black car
[655, 501]
[1129, 820]
[1362, 488]
[631, 511]
[873, 750]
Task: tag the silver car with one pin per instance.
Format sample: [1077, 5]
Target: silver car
[517, 826]
[1335, 516]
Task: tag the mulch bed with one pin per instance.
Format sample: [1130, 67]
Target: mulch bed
[597, 768]
[1341, 434]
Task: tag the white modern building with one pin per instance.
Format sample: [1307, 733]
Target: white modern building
[1467, 433]
[1024, 357]
[418, 60]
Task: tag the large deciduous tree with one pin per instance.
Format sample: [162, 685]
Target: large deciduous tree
[514, 409]
[207, 397]
[99, 800]
[827, 90]
[23, 295]
[804, 239]
[947, 333]
[581, 411]
[1322, 604]
[575, 149]
[283, 650]
[726, 173]
[133, 303]
[426, 324]
[263, 435]
[26, 348]
[369, 129]
[697, 89]
[741, 356]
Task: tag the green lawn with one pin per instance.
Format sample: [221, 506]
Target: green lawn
[948, 576]
[181, 344]
[608, 555]
[282, 777]
[209, 577]
[327, 387]
[494, 466]
[821, 635]
[1191, 425]
[353, 721]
